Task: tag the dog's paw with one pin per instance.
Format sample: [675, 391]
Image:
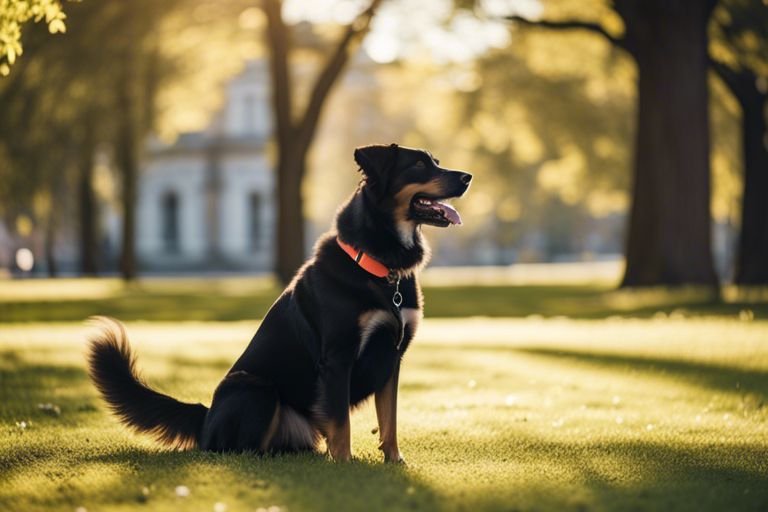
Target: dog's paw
[340, 457]
[395, 458]
[391, 453]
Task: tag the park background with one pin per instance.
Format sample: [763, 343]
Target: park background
[595, 331]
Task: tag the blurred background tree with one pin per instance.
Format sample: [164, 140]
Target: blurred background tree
[543, 117]
[14, 14]
[95, 86]
[294, 133]
[739, 56]
[96, 90]
[668, 239]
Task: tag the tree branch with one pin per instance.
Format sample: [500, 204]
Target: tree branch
[572, 25]
[331, 71]
[710, 6]
[742, 83]
[726, 74]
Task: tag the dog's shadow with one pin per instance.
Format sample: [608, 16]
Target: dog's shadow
[308, 481]
[117, 474]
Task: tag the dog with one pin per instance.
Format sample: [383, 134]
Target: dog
[333, 338]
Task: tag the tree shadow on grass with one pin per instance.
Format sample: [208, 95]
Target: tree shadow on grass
[577, 301]
[205, 301]
[721, 378]
[532, 473]
[56, 446]
[580, 474]
[243, 481]
[24, 385]
[23, 388]
[144, 306]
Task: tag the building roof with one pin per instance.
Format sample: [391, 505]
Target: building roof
[203, 142]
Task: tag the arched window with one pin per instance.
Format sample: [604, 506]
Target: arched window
[169, 208]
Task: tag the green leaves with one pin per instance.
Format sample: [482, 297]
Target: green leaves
[14, 14]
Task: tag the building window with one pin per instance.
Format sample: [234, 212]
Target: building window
[249, 115]
[254, 220]
[170, 221]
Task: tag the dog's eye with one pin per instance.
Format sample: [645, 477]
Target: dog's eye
[419, 165]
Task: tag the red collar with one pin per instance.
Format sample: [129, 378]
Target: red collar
[370, 265]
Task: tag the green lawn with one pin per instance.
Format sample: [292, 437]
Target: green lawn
[248, 298]
[496, 414]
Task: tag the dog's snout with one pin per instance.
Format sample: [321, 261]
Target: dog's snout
[465, 178]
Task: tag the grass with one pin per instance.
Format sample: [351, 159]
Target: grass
[495, 414]
[248, 298]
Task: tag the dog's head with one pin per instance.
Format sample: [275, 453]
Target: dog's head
[411, 184]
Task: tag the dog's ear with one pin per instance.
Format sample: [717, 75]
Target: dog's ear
[376, 161]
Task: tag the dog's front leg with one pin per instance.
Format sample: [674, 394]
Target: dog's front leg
[333, 410]
[338, 437]
[386, 412]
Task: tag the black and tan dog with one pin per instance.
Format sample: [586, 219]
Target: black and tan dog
[333, 338]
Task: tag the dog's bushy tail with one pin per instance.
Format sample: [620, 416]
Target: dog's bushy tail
[112, 367]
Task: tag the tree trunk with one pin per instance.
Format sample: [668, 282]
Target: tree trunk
[669, 239]
[50, 242]
[294, 135]
[290, 217]
[88, 210]
[752, 257]
[127, 162]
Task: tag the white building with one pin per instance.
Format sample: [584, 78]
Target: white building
[207, 200]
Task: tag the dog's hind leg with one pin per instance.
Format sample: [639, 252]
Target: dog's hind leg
[244, 415]
[294, 432]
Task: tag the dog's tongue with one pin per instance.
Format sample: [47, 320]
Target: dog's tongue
[449, 213]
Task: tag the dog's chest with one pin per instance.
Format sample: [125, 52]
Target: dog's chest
[381, 324]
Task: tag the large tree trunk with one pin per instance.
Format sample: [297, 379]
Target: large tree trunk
[128, 164]
[294, 134]
[88, 213]
[290, 224]
[668, 240]
[752, 257]
[289, 252]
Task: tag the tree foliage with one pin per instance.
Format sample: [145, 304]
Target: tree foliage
[65, 100]
[668, 236]
[14, 14]
[551, 144]
[739, 57]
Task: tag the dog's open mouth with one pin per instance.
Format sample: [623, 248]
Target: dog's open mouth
[428, 210]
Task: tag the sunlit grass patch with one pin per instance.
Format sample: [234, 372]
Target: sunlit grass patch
[495, 414]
